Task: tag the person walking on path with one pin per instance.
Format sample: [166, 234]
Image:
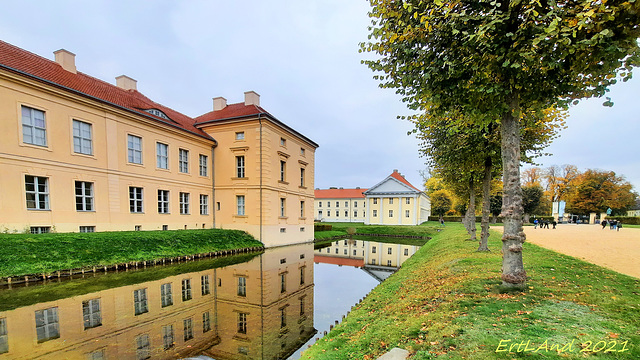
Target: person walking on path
[619, 226]
[535, 223]
[604, 224]
[554, 223]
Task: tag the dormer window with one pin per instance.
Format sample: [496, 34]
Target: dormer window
[157, 113]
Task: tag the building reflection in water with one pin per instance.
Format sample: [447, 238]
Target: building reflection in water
[378, 259]
[258, 309]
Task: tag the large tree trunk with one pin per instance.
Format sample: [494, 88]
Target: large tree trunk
[470, 216]
[513, 273]
[486, 202]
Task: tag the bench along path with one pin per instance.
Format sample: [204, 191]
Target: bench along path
[616, 250]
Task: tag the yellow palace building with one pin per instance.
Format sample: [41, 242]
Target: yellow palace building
[79, 155]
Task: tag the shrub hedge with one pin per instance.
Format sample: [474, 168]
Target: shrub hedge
[322, 227]
[630, 220]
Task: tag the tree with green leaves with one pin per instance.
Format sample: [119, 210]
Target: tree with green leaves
[440, 203]
[531, 198]
[497, 60]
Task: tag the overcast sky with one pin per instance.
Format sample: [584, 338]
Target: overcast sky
[302, 58]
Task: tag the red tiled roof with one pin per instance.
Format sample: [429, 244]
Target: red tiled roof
[231, 111]
[338, 261]
[396, 175]
[34, 65]
[339, 193]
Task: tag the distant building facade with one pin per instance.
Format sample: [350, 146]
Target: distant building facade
[82, 155]
[635, 210]
[340, 205]
[393, 201]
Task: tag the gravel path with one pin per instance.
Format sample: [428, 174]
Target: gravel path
[616, 250]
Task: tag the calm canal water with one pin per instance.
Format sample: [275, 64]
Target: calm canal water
[252, 306]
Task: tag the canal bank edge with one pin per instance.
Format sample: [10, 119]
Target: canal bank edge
[29, 257]
[447, 299]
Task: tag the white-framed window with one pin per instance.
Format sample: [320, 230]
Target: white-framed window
[283, 282]
[283, 170]
[329, 212]
[390, 213]
[40, 229]
[346, 213]
[204, 166]
[163, 201]
[408, 200]
[337, 204]
[375, 213]
[205, 285]
[240, 167]
[283, 317]
[390, 201]
[302, 152]
[242, 323]
[242, 286]
[47, 325]
[184, 203]
[82, 139]
[389, 251]
[346, 204]
[188, 329]
[134, 149]
[186, 289]
[143, 347]
[162, 156]
[4, 337]
[37, 192]
[240, 135]
[84, 196]
[301, 209]
[167, 337]
[319, 213]
[240, 204]
[34, 127]
[407, 213]
[204, 204]
[87, 229]
[140, 301]
[283, 142]
[320, 204]
[183, 161]
[302, 271]
[302, 177]
[355, 204]
[91, 313]
[206, 321]
[375, 201]
[388, 262]
[135, 199]
[283, 207]
[406, 252]
[355, 213]
[345, 251]
[166, 295]
[373, 249]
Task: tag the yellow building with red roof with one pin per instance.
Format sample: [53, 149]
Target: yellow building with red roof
[393, 201]
[79, 154]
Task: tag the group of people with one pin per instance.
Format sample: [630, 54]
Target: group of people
[544, 224]
[613, 224]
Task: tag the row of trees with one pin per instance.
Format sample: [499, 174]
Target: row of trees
[591, 191]
[480, 73]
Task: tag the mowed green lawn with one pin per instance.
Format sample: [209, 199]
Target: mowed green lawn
[447, 303]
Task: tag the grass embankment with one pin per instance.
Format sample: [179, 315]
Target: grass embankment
[340, 229]
[24, 254]
[446, 302]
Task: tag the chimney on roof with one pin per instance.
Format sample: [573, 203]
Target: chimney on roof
[251, 98]
[219, 103]
[127, 83]
[395, 170]
[66, 59]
